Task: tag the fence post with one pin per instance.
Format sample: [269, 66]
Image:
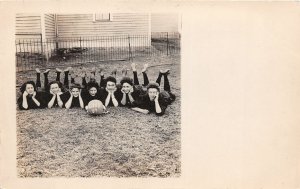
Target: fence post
[56, 43]
[21, 55]
[129, 49]
[42, 51]
[16, 56]
[80, 42]
[167, 44]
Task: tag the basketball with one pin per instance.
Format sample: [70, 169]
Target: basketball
[95, 107]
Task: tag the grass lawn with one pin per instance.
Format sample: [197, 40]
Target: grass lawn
[71, 143]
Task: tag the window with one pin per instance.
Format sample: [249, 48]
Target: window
[101, 17]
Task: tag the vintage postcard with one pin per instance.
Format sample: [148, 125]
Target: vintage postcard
[144, 95]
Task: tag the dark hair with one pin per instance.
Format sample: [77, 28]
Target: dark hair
[53, 82]
[126, 80]
[75, 85]
[23, 87]
[91, 85]
[111, 79]
[153, 85]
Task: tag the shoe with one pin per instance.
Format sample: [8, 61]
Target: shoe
[77, 80]
[68, 69]
[82, 74]
[93, 70]
[114, 71]
[124, 71]
[37, 70]
[46, 71]
[92, 76]
[166, 71]
[101, 69]
[133, 67]
[88, 77]
[145, 68]
[71, 71]
[83, 69]
[73, 75]
[58, 70]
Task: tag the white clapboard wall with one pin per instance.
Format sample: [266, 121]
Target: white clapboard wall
[82, 25]
[28, 33]
[49, 20]
[28, 26]
[114, 32]
[121, 29]
[165, 22]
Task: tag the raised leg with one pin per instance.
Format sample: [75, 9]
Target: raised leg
[58, 71]
[146, 80]
[135, 78]
[158, 80]
[38, 78]
[166, 83]
[84, 82]
[145, 76]
[102, 81]
[93, 71]
[114, 73]
[73, 78]
[66, 79]
[46, 81]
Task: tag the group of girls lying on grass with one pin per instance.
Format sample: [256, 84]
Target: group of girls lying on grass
[144, 98]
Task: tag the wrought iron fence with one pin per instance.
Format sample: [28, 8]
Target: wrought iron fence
[33, 52]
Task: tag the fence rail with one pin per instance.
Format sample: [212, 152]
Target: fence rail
[34, 52]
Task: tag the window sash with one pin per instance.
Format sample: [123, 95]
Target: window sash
[102, 17]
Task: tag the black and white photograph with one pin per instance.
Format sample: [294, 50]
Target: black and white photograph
[98, 94]
[147, 94]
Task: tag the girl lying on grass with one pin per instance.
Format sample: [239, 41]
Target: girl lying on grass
[92, 99]
[90, 93]
[129, 93]
[55, 88]
[109, 94]
[154, 100]
[53, 97]
[31, 98]
[130, 90]
[72, 98]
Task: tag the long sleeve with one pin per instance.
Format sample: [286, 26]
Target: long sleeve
[85, 97]
[40, 97]
[119, 95]
[102, 95]
[65, 97]
[19, 102]
[142, 102]
[163, 103]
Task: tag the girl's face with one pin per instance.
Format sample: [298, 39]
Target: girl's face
[93, 91]
[152, 92]
[75, 92]
[111, 85]
[29, 89]
[54, 88]
[126, 87]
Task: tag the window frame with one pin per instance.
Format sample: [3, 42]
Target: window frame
[102, 20]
